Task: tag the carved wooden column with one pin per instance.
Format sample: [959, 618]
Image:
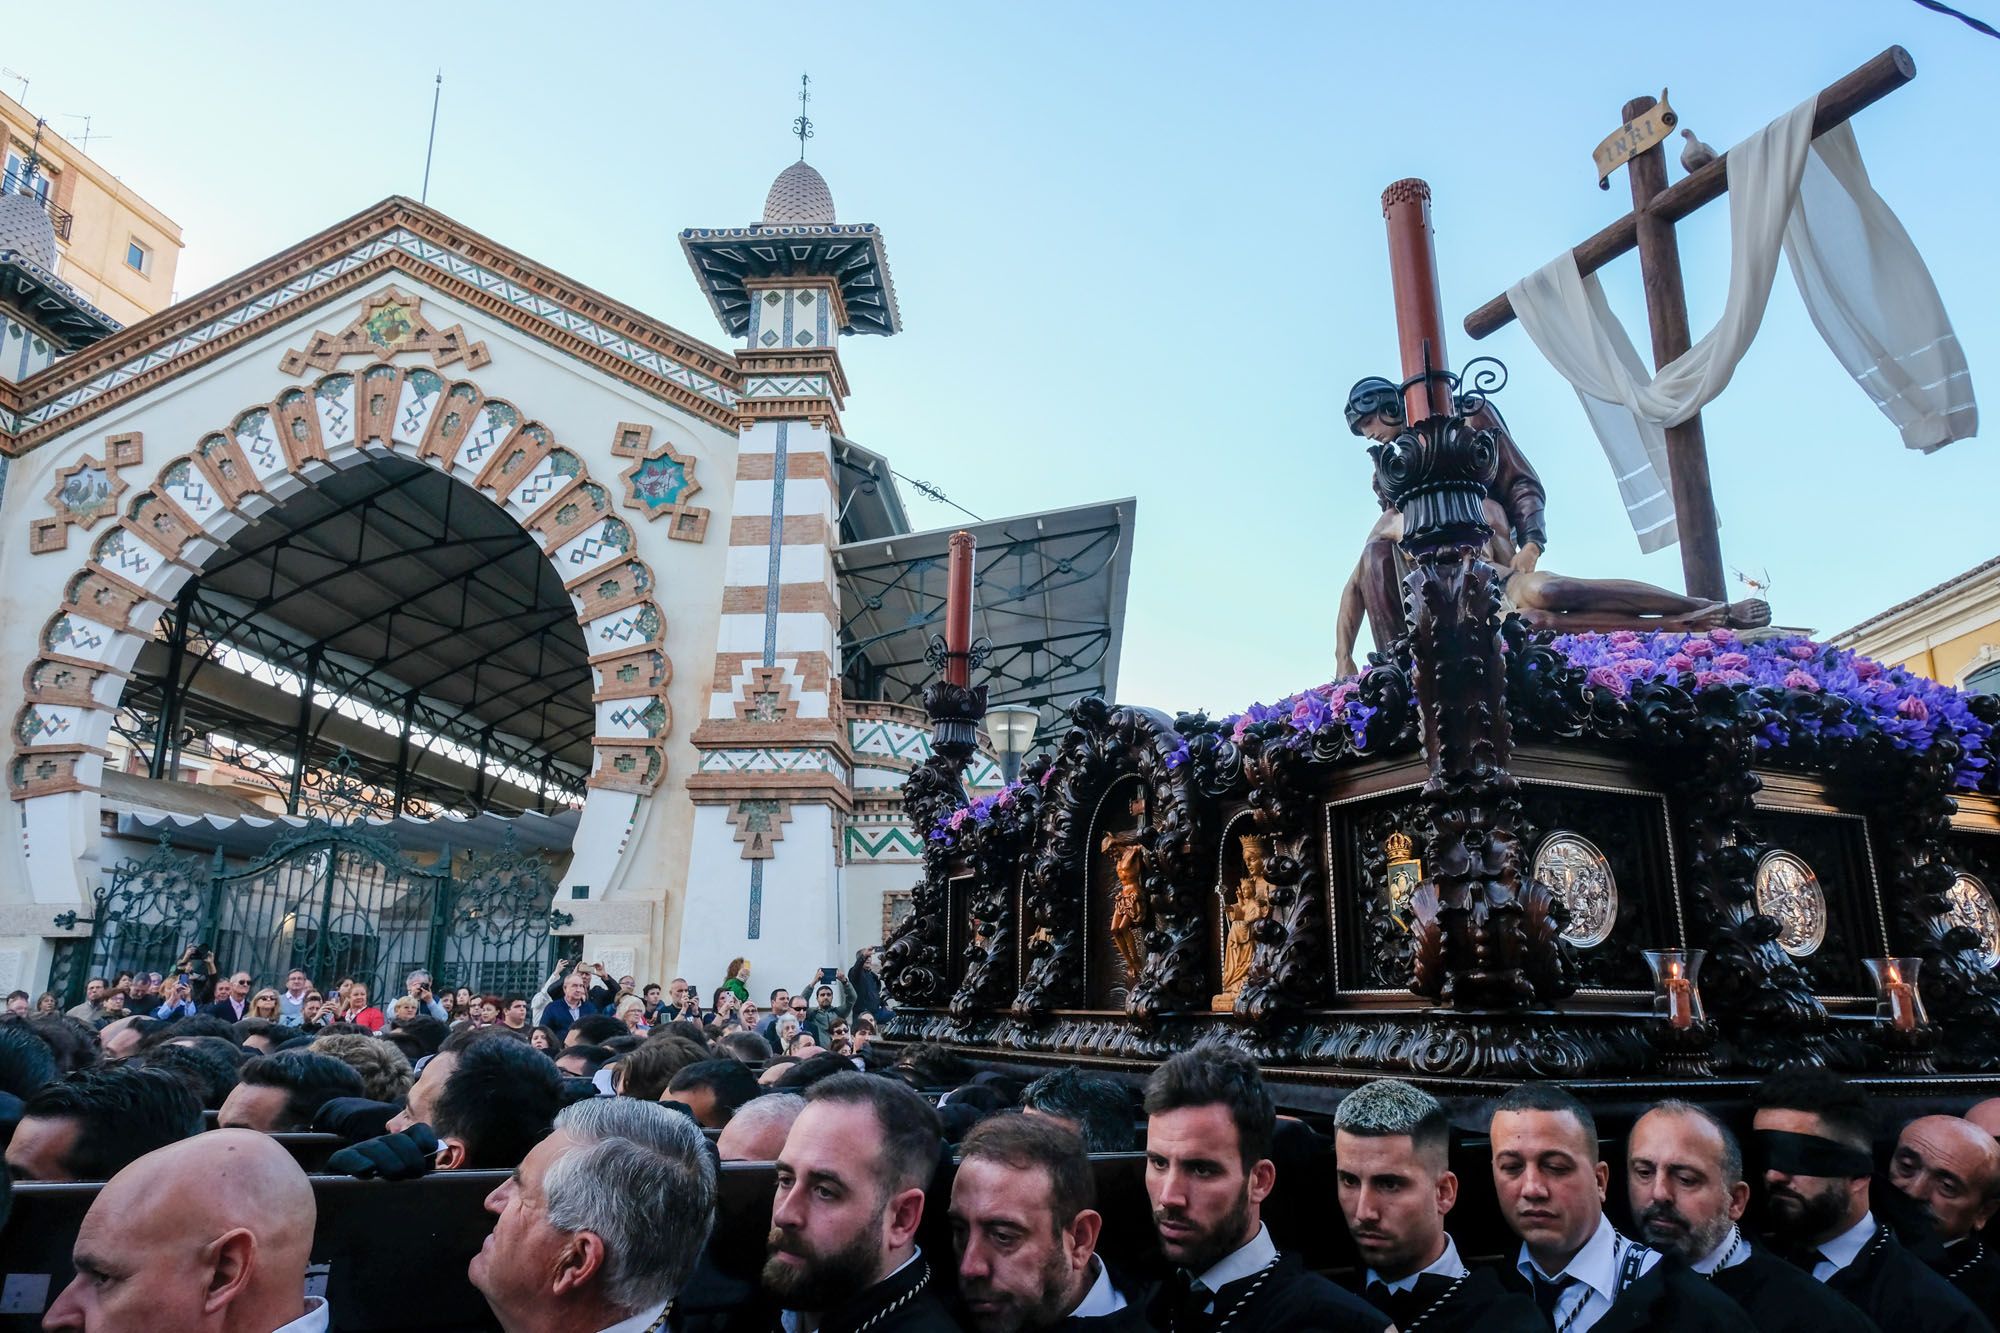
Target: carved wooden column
[1485, 942]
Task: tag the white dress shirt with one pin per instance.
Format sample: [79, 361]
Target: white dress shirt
[1845, 1248]
[639, 1322]
[1734, 1245]
[1252, 1258]
[1446, 1265]
[1595, 1267]
[314, 1320]
[1102, 1298]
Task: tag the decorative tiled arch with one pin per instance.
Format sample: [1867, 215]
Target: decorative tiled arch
[268, 452]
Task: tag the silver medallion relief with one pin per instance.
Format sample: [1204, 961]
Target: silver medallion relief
[1570, 867]
[1789, 893]
[1969, 903]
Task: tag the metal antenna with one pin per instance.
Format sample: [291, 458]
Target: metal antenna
[437, 95]
[17, 74]
[802, 127]
[84, 144]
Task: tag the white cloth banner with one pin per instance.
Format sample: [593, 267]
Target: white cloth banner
[1863, 283]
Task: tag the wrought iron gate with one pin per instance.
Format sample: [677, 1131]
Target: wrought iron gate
[338, 901]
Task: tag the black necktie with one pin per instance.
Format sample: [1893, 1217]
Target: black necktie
[1548, 1291]
[1808, 1259]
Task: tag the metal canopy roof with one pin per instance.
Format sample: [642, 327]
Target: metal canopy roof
[394, 585]
[1049, 591]
[53, 304]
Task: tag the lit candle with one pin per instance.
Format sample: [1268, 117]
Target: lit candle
[1680, 998]
[1902, 1001]
[958, 611]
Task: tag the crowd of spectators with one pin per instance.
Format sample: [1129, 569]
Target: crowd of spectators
[610, 1108]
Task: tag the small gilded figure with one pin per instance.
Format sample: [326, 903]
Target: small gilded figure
[1253, 904]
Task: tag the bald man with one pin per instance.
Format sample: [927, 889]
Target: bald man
[143, 1265]
[1952, 1167]
[1986, 1115]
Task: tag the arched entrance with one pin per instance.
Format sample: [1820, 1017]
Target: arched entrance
[356, 438]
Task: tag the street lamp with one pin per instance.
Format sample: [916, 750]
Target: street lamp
[1012, 727]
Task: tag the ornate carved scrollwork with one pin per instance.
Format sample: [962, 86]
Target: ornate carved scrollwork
[1103, 744]
[1485, 942]
[1288, 972]
[1960, 991]
[914, 966]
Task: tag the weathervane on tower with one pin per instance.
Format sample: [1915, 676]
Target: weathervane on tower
[802, 126]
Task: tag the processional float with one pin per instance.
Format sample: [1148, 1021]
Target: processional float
[1554, 828]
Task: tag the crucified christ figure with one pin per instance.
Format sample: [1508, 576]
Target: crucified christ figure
[1544, 599]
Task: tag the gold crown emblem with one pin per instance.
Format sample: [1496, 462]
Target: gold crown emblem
[1398, 846]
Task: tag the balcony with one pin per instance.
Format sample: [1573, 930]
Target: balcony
[59, 218]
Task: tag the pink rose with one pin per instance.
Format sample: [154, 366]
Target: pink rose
[1681, 662]
[1723, 636]
[1867, 668]
[1608, 679]
[1624, 638]
[1699, 648]
[1799, 680]
[1804, 652]
[1914, 709]
[1633, 666]
[1731, 662]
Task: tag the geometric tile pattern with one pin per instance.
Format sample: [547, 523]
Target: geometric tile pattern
[410, 412]
[391, 321]
[882, 842]
[421, 254]
[759, 824]
[85, 492]
[660, 482]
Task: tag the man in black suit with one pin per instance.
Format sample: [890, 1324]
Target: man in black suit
[1209, 1125]
[232, 998]
[1583, 1275]
[1813, 1134]
[1684, 1177]
[1392, 1144]
[1025, 1224]
[1951, 1168]
[850, 1195]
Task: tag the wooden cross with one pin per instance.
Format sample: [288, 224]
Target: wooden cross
[1649, 229]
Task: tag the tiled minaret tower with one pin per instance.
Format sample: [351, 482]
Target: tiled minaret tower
[773, 782]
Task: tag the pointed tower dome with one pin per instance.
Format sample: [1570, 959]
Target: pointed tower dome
[25, 228]
[799, 197]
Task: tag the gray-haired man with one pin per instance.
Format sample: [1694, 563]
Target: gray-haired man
[583, 1240]
[1393, 1144]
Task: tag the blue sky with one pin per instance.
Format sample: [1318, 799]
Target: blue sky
[1138, 247]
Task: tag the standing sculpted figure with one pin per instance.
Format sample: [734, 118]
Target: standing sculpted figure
[1128, 909]
[1253, 904]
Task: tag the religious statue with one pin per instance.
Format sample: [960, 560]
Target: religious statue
[1253, 904]
[1128, 909]
[1514, 506]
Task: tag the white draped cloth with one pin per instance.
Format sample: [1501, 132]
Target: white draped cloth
[1863, 283]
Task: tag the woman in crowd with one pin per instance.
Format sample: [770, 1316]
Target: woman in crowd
[866, 979]
[486, 1013]
[176, 1000]
[737, 979]
[48, 1004]
[464, 1005]
[359, 1011]
[264, 1004]
[786, 1028]
[631, 1012]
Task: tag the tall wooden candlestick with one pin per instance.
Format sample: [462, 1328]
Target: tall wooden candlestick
[958, 611]
[1413, 279]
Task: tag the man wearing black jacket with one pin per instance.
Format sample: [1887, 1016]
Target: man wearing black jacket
[1392, 1143]
[1209, 1124]
[1583, 1275]
[1813, 1136]
[1950, 1169]
[1025, 1227]
[850, 1196]
[1684, 1177]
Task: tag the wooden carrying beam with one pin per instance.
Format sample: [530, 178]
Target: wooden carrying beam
[1837, 105]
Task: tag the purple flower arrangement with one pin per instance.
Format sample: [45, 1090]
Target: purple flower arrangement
[1810, 694]
[1814, 691]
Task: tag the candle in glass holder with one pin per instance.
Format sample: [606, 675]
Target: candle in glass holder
[1680, 998]
[1902, 998]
